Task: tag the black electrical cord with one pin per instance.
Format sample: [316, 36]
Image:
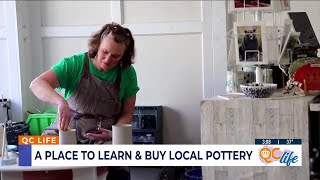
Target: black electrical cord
[8, 117]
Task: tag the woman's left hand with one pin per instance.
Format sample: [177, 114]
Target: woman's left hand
[102, 134]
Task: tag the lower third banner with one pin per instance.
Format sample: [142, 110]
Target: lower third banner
[160, 155]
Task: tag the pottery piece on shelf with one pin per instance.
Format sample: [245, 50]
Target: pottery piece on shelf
[292, 87]
[310, 73]
[300, 62]
[255, 90]
[305, 50]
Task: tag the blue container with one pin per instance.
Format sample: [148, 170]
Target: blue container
[193, 174]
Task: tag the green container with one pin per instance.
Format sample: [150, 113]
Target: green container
[50, 111]
[39, 122]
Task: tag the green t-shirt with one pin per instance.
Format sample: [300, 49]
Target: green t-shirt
[69, 72]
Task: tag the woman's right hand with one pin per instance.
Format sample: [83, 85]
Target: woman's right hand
[64, 115]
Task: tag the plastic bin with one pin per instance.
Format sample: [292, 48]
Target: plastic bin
[39, 122]
[193, 174]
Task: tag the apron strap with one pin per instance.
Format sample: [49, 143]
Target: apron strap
[86, 67]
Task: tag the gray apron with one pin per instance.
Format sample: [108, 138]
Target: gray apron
[93, 104]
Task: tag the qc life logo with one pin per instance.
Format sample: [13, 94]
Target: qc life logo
[269, 154]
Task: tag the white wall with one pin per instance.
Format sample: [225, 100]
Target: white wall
[71, 13]
[169, 66]
[169, 69]
[4, 81]
[169, 51]
[4, 72]
[161, 11]
[2, 17]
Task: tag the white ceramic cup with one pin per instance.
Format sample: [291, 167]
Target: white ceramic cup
[122, 134]
[68, 137]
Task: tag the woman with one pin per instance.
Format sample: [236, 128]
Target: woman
[100, 86]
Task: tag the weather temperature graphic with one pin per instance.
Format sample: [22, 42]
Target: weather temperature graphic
[271, 152]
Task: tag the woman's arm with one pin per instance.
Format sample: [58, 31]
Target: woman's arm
[43, 87]
[127, 110]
